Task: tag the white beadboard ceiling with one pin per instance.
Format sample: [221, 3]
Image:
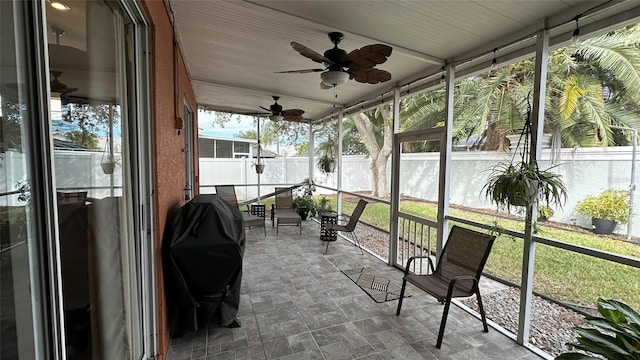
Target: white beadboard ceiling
[233, 49]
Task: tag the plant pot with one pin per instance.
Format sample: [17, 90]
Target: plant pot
[603, 226]
[108, 167]
[524, 194]
[542, 218]
[259, 168]
[329, 167]
[303, 212]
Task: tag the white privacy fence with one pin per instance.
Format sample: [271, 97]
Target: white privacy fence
[75, 171]
[586, 171]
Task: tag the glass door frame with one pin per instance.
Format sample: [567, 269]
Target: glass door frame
[188, 151]
[142, 171]
[433, 134]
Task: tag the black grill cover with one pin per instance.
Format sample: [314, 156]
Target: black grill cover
[205, 262]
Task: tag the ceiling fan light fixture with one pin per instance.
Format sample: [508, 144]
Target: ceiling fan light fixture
[58, 5]
[276, 118]
[334, 77]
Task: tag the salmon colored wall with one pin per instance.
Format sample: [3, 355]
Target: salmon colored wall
[187, 95]
[168, 142]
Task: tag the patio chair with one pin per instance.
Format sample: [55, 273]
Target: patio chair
[457, 273]
[284, 212]
[349, 227]
[228, 193]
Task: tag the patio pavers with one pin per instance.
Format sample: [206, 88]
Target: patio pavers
[296, 304]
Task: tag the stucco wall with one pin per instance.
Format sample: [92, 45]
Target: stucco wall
[168, 142]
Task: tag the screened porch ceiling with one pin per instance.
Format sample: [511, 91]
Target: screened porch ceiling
[233, 49]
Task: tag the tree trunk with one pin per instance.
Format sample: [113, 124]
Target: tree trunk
[379, 155]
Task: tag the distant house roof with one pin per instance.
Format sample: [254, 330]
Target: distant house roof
[253, 141]
[59, 144]
[264, 153]
[467, 143]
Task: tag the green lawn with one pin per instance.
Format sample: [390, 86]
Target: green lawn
[560, 274]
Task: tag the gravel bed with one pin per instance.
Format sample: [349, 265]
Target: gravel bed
[551, 323]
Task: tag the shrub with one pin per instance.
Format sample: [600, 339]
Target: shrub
[545, 212]
[610, 205]
[324, 204]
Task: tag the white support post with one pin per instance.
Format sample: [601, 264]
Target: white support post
[537, 120]
[260, 161]
[395, 182]
[311, 152]
[445, 160]
[339, 172]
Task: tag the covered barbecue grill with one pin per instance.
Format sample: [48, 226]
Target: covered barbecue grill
[204, 264]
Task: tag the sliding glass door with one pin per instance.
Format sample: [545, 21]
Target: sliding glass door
[96, 153]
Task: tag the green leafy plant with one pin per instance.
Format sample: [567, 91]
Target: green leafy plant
[324, 205]
[544, 212]
[611, 204]
[303, 201]
[615, 334]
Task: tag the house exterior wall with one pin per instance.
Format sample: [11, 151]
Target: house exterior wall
[171, 87]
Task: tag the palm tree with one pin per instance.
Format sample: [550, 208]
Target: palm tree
[591, 85]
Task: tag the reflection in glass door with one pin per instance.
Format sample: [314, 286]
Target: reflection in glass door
[21, 250]
[416, 187]
[92, 90]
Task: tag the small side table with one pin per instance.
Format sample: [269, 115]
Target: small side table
[257, 209]
[326, 234]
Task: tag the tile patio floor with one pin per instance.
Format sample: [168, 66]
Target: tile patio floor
[296, 304]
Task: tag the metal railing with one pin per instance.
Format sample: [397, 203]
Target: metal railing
[416, 237]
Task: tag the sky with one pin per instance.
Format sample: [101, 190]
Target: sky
[231, 128]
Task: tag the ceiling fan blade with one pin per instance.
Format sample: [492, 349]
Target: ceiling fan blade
[256, 114]
[308, 53]
[368, 56]
[324, 86]
[296, 119]
[293, 113]
[371, 76]
[303, 71]
[264, 108]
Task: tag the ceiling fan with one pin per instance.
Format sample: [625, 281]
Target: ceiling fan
[58, 89]
[341, 66]
[276, 113]
[57, 86]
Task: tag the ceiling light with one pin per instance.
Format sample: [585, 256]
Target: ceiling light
[334, 78]
[60, 6]
[276, 118]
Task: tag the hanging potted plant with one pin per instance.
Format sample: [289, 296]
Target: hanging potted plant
[327, 163]
[259, 165]
[521, 183]
[327, 159]
[108, 162]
